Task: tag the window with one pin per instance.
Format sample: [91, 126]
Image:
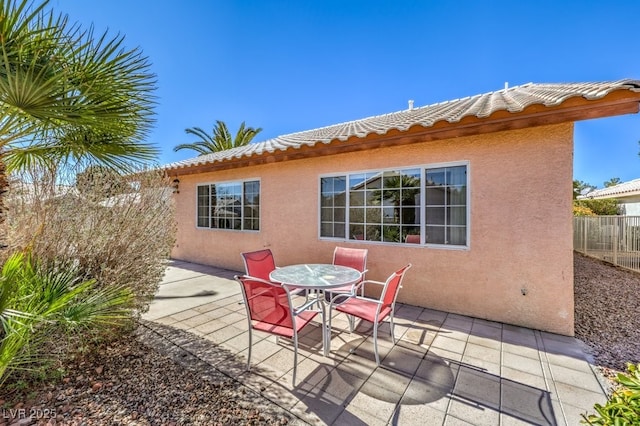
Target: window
[333, 207]
[414, 205]
[446, 205]
[229, 205]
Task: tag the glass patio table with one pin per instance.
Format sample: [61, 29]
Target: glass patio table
[317, 277]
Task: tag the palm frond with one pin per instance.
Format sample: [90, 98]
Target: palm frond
[109, 150]
[220, 139]
[206, 144]
[203, 135]
[246, 135]
[45, 298]
[58, 81]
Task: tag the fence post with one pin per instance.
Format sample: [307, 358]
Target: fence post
[616, 235]
[585, 222]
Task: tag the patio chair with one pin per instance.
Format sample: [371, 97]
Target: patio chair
[353, 258]
[374, 310]
[260, 264]
[269, 309]
[412, 239]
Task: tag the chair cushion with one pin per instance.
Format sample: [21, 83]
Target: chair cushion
[285, 330]
[363, 308]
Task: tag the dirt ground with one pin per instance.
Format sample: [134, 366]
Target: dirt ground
[607, 312]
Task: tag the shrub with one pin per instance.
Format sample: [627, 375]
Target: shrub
[121, 240]
[604, 207]
[38, 302]
[582, 211]
[623, 406]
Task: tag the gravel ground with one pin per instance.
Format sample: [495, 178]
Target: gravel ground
[130, 383]
[607, 307]
[153, 383]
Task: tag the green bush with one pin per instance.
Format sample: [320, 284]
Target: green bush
[623, 407]
[39, 303]
[605, 207]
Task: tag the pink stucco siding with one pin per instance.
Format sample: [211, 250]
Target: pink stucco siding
[518, 268]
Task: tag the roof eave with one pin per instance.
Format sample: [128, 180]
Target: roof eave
[574, 109]
[618, 195]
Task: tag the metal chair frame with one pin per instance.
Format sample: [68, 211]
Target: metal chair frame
[385, 301]
[294, 313]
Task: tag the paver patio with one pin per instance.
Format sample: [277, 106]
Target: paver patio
[446, 369]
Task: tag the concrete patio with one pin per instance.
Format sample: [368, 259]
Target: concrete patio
[445, 369]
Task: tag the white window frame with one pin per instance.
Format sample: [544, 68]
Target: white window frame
[241, 182]
[423, 168]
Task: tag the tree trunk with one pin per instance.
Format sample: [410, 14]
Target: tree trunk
[4, 188]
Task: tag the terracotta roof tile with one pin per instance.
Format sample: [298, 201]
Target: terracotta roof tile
[514, 99]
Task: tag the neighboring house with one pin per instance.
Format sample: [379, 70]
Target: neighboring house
[452, 172]
[28, 192]
[627, 194]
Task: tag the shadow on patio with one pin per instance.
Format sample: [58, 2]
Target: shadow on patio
[444, 367]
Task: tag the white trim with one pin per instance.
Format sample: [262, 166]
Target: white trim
[234, 181]
[422, 225]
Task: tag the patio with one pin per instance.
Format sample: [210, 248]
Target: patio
[446, 368]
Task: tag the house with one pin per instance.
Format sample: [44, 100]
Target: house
[452, 173]
[627, 194]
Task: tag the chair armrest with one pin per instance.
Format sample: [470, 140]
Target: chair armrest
[370, 282]
[373, 282]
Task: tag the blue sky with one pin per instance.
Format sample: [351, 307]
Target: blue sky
[288, 66]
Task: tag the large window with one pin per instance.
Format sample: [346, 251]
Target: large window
[422, 205]
[229, 205]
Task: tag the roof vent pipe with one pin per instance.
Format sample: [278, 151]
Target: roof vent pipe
[410, 104]
[506, 85]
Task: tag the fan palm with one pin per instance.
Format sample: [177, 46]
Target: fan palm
[67, 94]
[220, 140]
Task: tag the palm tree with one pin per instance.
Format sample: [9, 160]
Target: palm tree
[612, 182]
[220, 140]
[67, 94]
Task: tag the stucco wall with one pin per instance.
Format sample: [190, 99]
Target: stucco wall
[521, 225]
[631, 205]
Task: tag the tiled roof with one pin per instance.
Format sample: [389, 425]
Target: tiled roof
[621, 189]
[514, 99]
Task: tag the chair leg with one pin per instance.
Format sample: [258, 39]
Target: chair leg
[295, 356]
[352, 323]
[250, 346]
[393, 335]
[330, 315]
[326, 330]
[375, 342]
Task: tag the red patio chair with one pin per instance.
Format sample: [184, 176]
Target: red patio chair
[259, 264]
[269, 309]
[412, 239]
[374, 310]
[353, 258]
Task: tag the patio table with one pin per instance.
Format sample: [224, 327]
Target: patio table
[318, 277]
